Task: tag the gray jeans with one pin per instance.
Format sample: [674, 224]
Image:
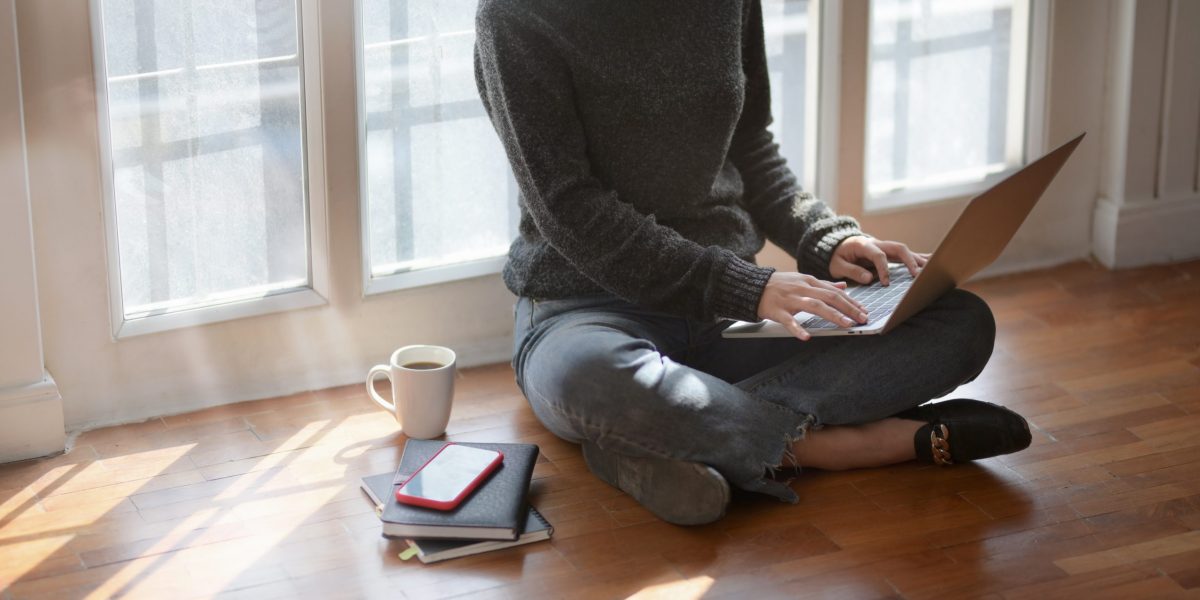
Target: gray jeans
[643, 383]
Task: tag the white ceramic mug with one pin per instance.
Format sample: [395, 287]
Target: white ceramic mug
[422, 379]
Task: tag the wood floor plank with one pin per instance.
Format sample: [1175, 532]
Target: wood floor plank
[1098, 410]
[260, 499]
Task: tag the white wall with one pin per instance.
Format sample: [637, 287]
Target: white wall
[105, 381]
[31, 420]
[20, 363]
[1149, 209]
[1058, 229]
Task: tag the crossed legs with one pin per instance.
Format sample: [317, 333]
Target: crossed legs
[645, 384]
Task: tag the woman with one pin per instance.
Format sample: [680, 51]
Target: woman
[637, 132]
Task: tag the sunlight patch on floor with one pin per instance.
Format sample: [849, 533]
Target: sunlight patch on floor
[19, 557]
[676, 590]
[210, 568]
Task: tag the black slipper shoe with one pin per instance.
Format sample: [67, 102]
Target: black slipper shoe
[964, 430]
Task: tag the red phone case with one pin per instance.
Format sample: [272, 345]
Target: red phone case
[403, 498]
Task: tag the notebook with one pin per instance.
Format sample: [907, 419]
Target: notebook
[428, 551]
[494, 511]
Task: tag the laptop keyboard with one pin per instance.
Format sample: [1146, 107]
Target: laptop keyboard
[879, 301]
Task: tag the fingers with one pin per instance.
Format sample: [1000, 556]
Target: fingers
[815, 306]
[899, 252]
[789, 322]
[849, 270]
[839, 295]
[905, 256]
[835, 286]
[843, 306]
[787, 294]
[880, 260]
[827, 312]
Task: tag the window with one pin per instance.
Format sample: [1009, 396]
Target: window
[439, 200]
[212, 137]
[791, 43]
[203, 127]
[946, 96]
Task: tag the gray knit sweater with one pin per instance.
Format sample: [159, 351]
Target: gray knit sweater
[637, 132]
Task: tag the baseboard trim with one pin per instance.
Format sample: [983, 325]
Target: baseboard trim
[998, 269]
[31, 421]
[1138, 233]
[470, 354]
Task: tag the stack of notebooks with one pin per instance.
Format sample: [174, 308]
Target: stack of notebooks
[496, 515]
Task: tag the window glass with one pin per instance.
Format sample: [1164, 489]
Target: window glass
[786, 28]
[437, 183]
[945, 87]
[205, 136]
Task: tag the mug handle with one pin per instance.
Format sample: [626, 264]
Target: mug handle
[376, 370]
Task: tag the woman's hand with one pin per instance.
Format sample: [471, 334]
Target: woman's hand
[856, 253]
[789, 293]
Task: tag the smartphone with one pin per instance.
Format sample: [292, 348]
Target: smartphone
[449, 476]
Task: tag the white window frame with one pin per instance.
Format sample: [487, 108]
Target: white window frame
[824, 131]
[316, 293]
[418, 277]
[842, 137]
[812, 84]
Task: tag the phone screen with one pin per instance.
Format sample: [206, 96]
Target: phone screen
[453, 469]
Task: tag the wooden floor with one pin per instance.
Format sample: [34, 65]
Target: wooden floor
[260, 499]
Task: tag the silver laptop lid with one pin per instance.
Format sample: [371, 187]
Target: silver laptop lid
[982, 231]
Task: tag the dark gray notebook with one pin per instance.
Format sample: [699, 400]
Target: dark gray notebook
[377, 487]
[494, 511]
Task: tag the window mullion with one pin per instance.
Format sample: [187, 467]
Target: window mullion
[1019, 80]
[816, 79]
[401, 136]
[848, 62]
[151, 126]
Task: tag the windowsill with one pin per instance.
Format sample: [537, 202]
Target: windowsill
[906, 199]
[380, 284]
[249, 307]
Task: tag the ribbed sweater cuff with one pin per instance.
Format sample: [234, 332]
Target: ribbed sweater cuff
[816, 251]
[739, 288]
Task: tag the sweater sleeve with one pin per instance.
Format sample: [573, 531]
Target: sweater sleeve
[527, 91]
[795, 220]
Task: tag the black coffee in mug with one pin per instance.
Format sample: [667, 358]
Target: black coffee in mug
[422, 366]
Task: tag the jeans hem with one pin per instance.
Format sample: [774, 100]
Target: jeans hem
[766, 483]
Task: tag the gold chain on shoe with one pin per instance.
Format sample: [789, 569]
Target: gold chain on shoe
[940, 445]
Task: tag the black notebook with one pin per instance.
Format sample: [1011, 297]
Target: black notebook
[496, 510]
[536, 529]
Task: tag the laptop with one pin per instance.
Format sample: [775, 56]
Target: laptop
[978, 236]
